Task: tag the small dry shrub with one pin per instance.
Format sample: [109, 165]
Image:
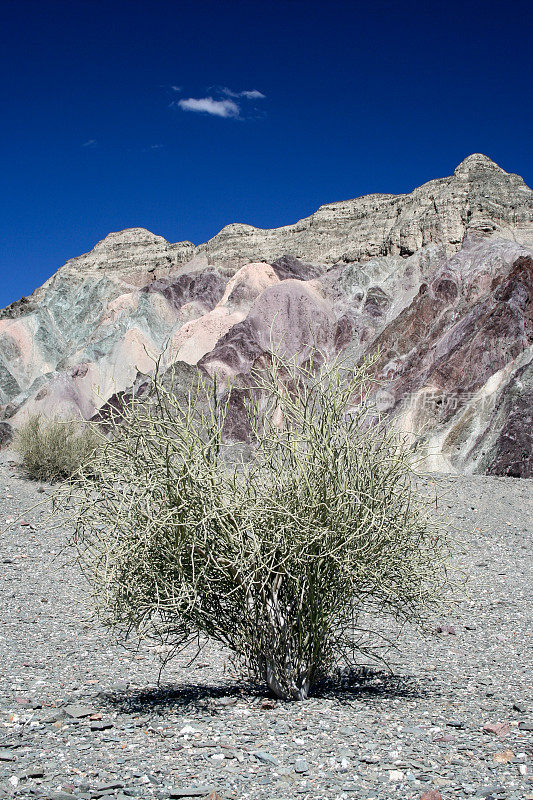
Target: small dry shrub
[280, 557]
[54, 449]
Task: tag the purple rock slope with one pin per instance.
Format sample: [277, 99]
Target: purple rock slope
[439, 282]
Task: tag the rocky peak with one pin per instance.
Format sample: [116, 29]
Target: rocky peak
[134, 255]
[130, 248]
[128, 238]
[477, 162]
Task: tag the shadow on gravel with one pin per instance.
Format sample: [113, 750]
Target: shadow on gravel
[363, 683]
[184, 697]
[345, 687]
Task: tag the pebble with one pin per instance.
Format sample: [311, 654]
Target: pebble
[396, 775]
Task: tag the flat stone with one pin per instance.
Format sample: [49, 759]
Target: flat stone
[396, 775]
[205, 744]
[108, 787]
[35, 771]
[55, 716]
[78, 711]
[266, 758]
[119, 686]
[191, 791]
[64, 796]
[503, 757]
[500, 729]
[101, 726]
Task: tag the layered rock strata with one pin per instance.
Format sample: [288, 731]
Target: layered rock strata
[438, 281]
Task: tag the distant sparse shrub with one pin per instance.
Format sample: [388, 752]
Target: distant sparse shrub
[53, 449]
[277, 556]
[6, 434]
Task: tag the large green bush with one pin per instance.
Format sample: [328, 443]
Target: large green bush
[53, 449]
[276, 556]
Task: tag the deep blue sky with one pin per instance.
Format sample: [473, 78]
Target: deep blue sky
[359, 97]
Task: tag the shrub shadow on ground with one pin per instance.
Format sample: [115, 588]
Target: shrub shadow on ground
[364, 683]
[344, 687]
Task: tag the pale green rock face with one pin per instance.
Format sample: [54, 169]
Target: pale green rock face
[414, 275]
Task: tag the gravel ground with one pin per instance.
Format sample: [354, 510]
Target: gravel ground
[83, 718]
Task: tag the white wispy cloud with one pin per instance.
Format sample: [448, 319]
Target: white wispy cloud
[250, 94]
[254, 94]
[90, 143]
[220, 102]
[208, 105]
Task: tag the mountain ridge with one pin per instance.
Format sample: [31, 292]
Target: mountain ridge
[406, 273]
[242, 238]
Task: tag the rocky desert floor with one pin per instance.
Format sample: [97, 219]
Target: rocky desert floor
[80, 717]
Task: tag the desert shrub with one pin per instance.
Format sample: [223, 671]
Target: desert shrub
[278, 556]
[53, 449]
[6, 434]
